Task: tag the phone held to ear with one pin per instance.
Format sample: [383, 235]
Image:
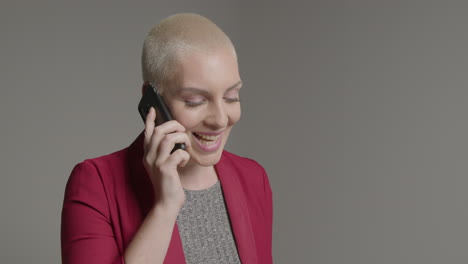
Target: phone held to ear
[152, 98]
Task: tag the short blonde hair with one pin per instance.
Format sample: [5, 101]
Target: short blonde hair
[174, 36]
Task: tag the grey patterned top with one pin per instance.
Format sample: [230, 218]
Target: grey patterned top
[205, 229]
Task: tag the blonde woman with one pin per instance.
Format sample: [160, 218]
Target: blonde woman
[144, 204]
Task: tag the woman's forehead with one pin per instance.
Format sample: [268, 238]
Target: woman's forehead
[206, 70]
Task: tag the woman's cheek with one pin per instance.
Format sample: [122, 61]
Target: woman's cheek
[188, 119]
[235, 115]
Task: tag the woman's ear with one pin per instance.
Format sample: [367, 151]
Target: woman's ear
[143, 88]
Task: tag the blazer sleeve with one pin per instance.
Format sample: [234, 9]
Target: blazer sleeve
[268, 205]
[86, 230]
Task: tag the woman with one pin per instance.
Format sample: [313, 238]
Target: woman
[144, 204]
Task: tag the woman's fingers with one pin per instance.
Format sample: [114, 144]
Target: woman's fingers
[167, 144]
[153, 145]
[161, 139]
[165, 128]
[149, 126]
[160, 132]
[160, 164]
[178, 158]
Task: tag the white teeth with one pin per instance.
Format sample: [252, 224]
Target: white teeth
[207, 137]
[207, 143]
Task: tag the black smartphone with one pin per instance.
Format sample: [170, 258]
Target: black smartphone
[152, 98]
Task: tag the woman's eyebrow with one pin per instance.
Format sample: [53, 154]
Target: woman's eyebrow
[202, 91]
[191, 90]
[236, 85]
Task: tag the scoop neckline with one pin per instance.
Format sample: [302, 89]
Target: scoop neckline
[203, 190]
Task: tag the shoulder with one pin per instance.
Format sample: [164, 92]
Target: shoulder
[107, 163]
[99, 171]
[112, 162]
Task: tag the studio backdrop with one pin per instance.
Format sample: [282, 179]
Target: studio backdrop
[357, 110]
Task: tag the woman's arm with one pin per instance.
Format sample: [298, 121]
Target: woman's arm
[87, 233]
[151, 242]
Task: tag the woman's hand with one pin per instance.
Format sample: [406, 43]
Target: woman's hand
[160, 164]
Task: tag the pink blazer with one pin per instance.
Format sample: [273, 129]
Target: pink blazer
[107, 198]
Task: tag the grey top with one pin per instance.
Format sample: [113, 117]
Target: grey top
[205, 229]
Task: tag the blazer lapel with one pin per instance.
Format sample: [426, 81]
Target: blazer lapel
[175, 252]
[237, 210]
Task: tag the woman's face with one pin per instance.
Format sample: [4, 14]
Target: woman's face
[205, 101]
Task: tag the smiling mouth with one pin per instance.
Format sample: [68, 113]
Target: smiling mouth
[207, 140]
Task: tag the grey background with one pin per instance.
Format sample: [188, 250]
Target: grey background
[357, 109]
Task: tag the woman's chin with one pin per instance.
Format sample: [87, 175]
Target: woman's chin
[205, 160]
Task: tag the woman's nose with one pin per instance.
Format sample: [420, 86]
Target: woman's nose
[217, 117]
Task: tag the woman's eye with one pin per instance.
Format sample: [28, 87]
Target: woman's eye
[232, 100]
[194, 103]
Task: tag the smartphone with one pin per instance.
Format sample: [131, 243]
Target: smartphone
[152, 98]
